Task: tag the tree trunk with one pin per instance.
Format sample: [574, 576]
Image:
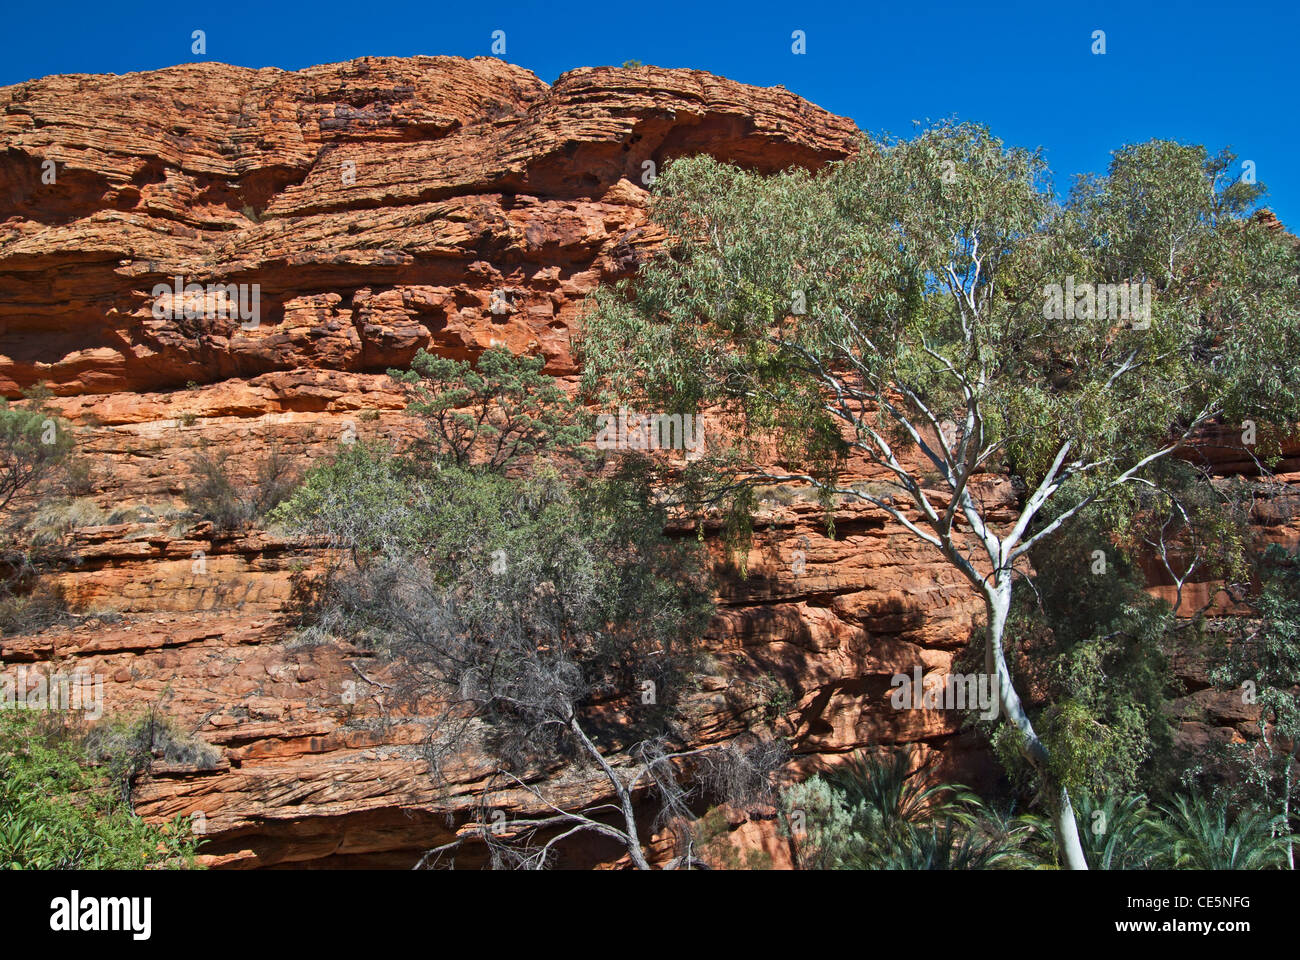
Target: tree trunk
[632, 839]
[998, 605]
[1286, 807]
[1067, 832]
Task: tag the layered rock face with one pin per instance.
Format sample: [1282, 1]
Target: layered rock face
[382, 206]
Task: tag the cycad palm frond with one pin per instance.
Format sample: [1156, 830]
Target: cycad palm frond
[1118, 833]
[1026, 837]
[886, 784]
[947, 847]
[1200, 835]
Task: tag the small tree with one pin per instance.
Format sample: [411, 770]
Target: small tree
[553, 621]
[1086, 643]
[929, 307]
[1197, 833]
[499, 411]
[35, 445]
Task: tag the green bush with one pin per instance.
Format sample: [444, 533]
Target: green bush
[34, 443]
[57, 813]
[34, 449]
[950, 846]
[1118, 833]
[540, 599]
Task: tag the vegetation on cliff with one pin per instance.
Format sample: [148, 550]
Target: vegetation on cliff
[534, 596]
[63, 805]
[929, 305]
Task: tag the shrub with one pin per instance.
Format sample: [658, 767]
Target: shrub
[522, 599]
[1264, 659]
[33, 445]
[35, 464]
[935, 847]
[1118, 833]
[818, 821]
[53, 519]
[32, 612]
[57, 814]
[870, 814]
[126, 748]
[492, 413]
[216, 495]
[544, 606]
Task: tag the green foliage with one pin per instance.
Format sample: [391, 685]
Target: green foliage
[907, 305]
[35, 450]
[1026, 839]
[1192, 832]
[571, 590]
[1086, 642]
[892, 794]
[871, 242]
[1261, 664]
[935, 847]
[494, 412]
[871, 818]
[33, 443]
[1269, 654]
[874, 814]
[827, 833]
[58, 814]
[1118, 832]
[1200, 834]
[523, 596]
[1183, 519]
[536, 600]
[774, 698]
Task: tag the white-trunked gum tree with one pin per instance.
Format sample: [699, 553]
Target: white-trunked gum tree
[931, 307]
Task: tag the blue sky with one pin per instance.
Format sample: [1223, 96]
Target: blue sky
[1212, 73]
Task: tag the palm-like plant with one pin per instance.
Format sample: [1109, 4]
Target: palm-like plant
[1026, 838]
[951, 846]
[895, 795]
[877, 813]
[1118, 833]
[1201, 835]
[895, 811]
